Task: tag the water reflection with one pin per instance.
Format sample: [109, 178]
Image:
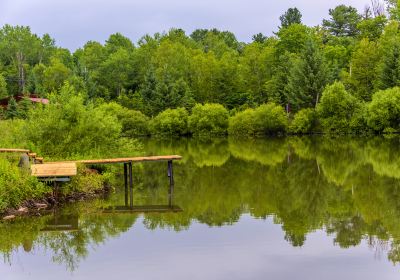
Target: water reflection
[348, 187]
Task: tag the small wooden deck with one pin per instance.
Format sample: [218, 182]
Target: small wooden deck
[54, 170]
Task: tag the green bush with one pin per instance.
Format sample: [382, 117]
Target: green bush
[336, 108]
[264, 120]
[208, 119]
[384, 110]
[86, 181]
[68, 128]
[12, 134]
[303, 122]
[17, 185]
[171, 122]
[134, 123]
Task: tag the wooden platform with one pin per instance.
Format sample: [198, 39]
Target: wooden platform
[54, 170]
[122, 160]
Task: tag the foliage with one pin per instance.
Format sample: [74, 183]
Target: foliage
[86, 181]
[17, 185]
[208, 119]
[3, 87]
[343, 22]
[336, 108]
[66, 127]
[304, 121]
[307, 79]
[264, 120]
[134, 123]
[384, 110]
[291, 16]
[171, 122]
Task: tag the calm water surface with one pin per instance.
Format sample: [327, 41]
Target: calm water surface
[293, 208]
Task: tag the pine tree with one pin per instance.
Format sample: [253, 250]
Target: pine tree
[389, 68]
[12, 109]
[24, 107]
[292, 16]
[308, 78]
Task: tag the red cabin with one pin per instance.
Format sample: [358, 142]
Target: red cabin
[32, 97]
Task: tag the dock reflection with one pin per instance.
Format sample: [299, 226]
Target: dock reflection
[130, 208]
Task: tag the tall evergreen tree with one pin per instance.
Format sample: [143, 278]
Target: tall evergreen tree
[291, 16]
[389, 68]
[12, 109]
[343, 22]
[308, 78]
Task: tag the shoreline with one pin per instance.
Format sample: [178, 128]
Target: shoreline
[35, 207]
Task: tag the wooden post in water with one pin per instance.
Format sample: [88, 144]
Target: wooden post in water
[130, 184]
[126, 183]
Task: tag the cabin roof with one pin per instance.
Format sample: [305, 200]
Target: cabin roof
[32, 97]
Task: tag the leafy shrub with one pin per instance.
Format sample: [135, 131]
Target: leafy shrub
[208, 119]
[68, 127]
[384, 110]
[266, 119]
[303, 122]
[170, 122]
[336, 108]
[12, 134]
[17, 185]
[134, 123]
[86, 181]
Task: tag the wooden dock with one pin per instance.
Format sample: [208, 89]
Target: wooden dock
[121, 160]
[63, 170]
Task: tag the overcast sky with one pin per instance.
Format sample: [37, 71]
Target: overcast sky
[74, 22]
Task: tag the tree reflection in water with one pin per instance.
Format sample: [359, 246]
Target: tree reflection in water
[350, 187]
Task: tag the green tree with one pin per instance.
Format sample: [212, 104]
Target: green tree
[389, 66]
[55, 75]
[19, 48]
[336, 108]
[3, 87]
[372, 28]
[171, 122]
[384, 110]
[291, 16]
[114, 73]
[12, 109]
[118, 41]
[259, 38]
[308, 78]
[364, 61]
[343, 22]
[293, 38]
[208, 119]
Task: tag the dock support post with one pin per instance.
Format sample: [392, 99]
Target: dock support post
[126, 183]
[130, 184]
[170, 173]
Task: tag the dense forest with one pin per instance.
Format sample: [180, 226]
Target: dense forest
[339, 76]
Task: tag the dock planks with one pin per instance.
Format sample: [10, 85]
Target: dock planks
[54, 170]
[123, 160]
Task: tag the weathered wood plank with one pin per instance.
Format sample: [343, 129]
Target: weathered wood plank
[32, 155]
[123, 160]
[2, 150]
[54, 170]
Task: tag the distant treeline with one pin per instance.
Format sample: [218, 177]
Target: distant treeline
[340, 75]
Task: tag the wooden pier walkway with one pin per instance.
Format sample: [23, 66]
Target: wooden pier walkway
[63, 170]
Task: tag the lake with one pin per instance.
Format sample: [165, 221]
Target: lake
[282, 208]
